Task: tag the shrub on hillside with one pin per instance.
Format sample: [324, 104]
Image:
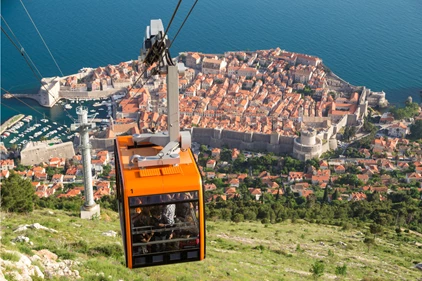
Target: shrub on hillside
[317, 269]
[341, 270]
[109, 202]
[67, 204]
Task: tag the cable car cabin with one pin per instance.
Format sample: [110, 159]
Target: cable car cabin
[161, 206]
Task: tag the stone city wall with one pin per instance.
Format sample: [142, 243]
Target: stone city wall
[102, 144]
[37, 154]
[340, 124]
[332, 144]
[243, 140]
[257, 137]
[314, 119]
[352, 119]
[277, 144]
[87, 94]
[325, 146]
[363, 95]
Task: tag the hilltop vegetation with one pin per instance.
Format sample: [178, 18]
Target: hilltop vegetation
[235, 251]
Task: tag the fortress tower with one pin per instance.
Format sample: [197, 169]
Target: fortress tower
[308, 145]
[49, 91]
[308, 137]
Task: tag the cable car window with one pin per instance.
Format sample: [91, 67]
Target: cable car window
[164, 228]
[158, 199]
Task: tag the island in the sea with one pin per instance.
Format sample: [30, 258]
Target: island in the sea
[266, 100]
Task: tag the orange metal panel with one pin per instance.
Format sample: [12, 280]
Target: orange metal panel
[157, 180]
[150, 172]
[171, 170]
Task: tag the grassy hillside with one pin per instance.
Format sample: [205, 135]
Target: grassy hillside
[243, 251]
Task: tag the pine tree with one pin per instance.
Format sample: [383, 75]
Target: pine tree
[325, 197]
[336, 195]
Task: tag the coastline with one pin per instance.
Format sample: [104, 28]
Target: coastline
[78, 87]
[58, 92]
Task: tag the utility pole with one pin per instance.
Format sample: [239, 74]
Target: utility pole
[90, 209]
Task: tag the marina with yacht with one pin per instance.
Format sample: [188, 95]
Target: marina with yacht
[27, 130]
[97, 89]
[20, 129]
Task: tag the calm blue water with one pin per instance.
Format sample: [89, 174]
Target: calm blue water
[377, 43]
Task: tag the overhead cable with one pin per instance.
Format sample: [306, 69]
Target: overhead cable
[180, 28]
[27, 61]
[45, 44]
[7, 92]
[162, 40]
[20, 45]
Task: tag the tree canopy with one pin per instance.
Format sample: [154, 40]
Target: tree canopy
[410, 110]
[17, 194]
[416, 130]
[349, 132]
[349, 179]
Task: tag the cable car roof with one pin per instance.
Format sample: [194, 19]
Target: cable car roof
[156, 179]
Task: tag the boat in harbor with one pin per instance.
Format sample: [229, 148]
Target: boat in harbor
[97, 104]
[67, 106]
[27, 119]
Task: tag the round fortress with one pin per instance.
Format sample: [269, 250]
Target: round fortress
[308, 145]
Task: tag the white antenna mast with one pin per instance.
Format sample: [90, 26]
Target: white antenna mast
[90, 209]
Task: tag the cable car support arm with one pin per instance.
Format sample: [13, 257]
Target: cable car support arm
[155, 51]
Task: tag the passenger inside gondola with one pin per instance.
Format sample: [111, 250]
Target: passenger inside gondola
[164, 223]
[141, 220]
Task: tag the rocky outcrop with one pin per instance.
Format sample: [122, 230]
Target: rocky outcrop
[33, 226]
[24, 269]
[110, 233]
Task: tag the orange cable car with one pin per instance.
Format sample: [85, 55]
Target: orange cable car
[159, 187]
[161, 207]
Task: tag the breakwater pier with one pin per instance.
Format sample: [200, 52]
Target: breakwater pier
[35, 97]
[10, 122]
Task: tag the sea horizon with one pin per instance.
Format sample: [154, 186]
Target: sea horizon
[366, 43]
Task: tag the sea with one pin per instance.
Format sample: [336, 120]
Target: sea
[376, 43]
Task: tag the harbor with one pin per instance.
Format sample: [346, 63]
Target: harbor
[20, 129]
[11, 122]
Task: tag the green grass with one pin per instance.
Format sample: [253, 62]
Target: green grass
[9, 256]
[235, 251]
